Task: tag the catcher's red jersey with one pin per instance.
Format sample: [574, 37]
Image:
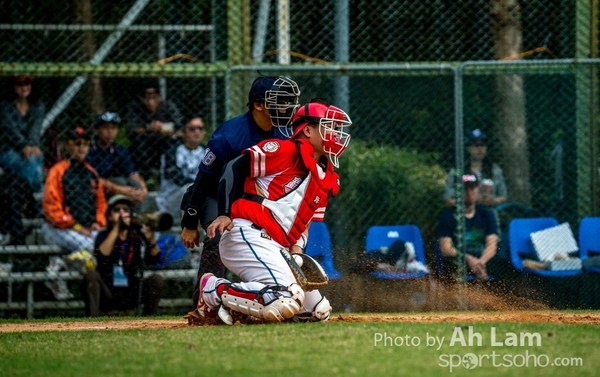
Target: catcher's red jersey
[294, 187]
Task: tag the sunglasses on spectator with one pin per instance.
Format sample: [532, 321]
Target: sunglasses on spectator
[116, 209]
[79, 142]
[197, 128]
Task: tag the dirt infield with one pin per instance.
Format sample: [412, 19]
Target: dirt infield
[422, 301]
[592, 318]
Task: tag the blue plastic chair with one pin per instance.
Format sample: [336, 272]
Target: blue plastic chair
[519, 242]
[589, 240]
[385, 235]
[319, 247]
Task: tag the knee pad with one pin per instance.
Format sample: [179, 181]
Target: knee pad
[252, 303]
[284, 307]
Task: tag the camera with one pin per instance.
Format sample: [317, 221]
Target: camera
[157, 221]
[167, 127]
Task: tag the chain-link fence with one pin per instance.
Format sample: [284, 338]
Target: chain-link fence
[411, 116]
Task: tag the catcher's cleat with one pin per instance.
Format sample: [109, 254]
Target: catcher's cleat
[202, 314]
[195, 319]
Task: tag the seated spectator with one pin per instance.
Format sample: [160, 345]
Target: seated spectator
[73, 204]
[113, 162]
[115, 284]
[481, 233]
[151, 122]
[20, 132]
[492, 185]
[179, 166]
[13, 189]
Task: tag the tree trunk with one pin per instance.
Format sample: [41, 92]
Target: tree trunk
[511, 120]
[93, 87]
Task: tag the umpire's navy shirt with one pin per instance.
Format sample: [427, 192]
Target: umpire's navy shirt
[228, 141]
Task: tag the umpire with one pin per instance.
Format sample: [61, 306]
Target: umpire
[271, 104]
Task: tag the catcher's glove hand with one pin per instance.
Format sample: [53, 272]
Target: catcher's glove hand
[308, 272]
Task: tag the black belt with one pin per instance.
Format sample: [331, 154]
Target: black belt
[254, 198]
[263, 234]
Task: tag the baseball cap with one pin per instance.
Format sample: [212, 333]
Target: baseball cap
[23, 80]
[77, 133]
[107, 117]
[259, 88]
[476, 135]
[470, 180]
[119, 198]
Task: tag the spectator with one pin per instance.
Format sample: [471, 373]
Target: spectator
[73, 203]
[12, 191]
[481, 233]
[20, 132]
[286, 184]
[113, 162]
[151, 121]
[179, 166]
[489, 174]
[121, 251]
[271, 103]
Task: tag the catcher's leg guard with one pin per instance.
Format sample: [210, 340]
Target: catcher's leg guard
[252, 303]
[320, 311]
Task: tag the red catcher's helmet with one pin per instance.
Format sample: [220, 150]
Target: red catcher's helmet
[331, 120]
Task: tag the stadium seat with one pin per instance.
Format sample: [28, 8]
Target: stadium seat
[385, 235]
[519, 244]
[589, 240]
[319, 247]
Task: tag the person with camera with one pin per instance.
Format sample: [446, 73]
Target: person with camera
[121, 251]
[151, 122]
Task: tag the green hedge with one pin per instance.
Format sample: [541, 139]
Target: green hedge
[384, 185]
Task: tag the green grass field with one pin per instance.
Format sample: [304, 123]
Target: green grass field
[318, 349]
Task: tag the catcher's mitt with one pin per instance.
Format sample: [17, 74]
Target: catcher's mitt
[308, 272]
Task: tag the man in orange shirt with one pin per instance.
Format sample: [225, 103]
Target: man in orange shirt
[74, 205]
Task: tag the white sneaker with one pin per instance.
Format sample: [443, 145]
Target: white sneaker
[59, 289]
[56, 264]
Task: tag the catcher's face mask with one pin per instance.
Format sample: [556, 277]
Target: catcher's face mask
[332, 122]
[332, 128]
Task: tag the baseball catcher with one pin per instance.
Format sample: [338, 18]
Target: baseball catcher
[282, 186]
